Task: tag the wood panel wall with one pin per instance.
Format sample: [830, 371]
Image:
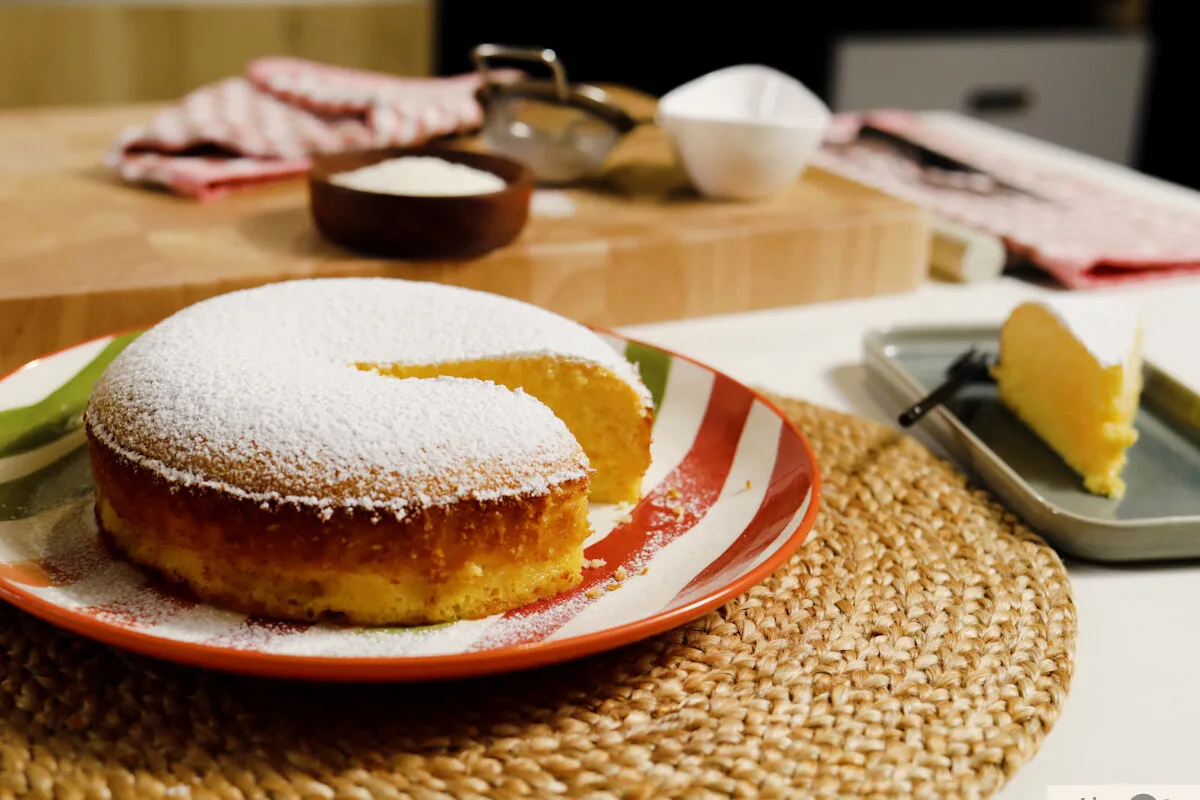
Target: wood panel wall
[56, 53]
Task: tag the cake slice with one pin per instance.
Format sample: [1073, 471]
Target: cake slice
[1071, 369]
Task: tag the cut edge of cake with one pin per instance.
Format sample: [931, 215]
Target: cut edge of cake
[1070, 369]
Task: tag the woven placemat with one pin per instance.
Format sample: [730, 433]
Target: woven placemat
[919, 645]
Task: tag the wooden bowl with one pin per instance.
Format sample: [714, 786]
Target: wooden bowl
[405, 226]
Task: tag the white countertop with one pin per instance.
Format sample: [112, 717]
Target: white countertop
[1133, 708]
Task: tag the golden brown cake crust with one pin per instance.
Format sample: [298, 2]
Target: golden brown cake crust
[466, 559]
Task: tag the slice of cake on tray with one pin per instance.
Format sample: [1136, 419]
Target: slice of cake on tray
[1071, 369]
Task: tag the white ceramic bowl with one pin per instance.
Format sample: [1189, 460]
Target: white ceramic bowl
[743, 132]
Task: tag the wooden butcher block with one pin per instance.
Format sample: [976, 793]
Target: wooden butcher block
[82, 254]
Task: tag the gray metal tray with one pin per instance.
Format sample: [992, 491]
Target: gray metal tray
[1159, 517]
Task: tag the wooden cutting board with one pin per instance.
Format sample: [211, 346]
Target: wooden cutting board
[82, 254]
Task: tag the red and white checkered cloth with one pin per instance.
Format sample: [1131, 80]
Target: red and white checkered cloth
[264, 125]
[1083, 233]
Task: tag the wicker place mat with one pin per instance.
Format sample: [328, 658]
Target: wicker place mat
[919, 645]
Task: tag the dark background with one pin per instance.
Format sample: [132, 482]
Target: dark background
[658, 46]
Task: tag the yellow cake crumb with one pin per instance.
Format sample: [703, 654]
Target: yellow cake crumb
[612, 587]
[644, 570]
[620, 574]
[673, 493]
[594, 592]
[594, 563]
[747, 484]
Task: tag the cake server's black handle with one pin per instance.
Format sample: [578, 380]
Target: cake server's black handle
[927, 158]
[967, 368]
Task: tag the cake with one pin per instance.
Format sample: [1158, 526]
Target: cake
[373, 451]
[1071, 370]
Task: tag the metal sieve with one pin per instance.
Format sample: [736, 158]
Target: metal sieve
[561, 131]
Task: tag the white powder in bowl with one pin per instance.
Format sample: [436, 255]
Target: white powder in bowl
[420, 176]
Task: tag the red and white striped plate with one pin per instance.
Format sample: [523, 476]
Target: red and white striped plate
[731, 493]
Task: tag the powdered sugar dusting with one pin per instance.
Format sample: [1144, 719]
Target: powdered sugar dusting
[526, 625]
[253, 392]
[82, 571]
[1107, 327]
[203, 624]
[149, 604]
[428, 640]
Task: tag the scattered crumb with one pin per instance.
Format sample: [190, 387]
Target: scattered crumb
[594, 563]
[678, 511]
[594, 592]
[625, 520]
[747, 484]
[612, 587]
[673, 493]
[644, 570]
[620, 574]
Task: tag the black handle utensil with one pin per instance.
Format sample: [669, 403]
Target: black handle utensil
[970, 367]
[927, 158]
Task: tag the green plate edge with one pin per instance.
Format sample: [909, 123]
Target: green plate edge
[59, 413]
[654, 366]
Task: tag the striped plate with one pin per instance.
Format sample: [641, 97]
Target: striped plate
[731, 493]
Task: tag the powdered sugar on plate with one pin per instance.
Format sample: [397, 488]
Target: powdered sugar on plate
[428, 640]
[204, 624]
[81, 572]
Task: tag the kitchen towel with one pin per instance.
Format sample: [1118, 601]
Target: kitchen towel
[266, 123]
[1082, 232]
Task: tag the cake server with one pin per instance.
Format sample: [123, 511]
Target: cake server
[971, 366]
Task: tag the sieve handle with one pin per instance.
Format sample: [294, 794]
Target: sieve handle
[484, 53]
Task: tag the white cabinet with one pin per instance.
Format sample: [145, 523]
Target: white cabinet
[1082, 92]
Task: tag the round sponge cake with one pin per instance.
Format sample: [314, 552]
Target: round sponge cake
[373, 450]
